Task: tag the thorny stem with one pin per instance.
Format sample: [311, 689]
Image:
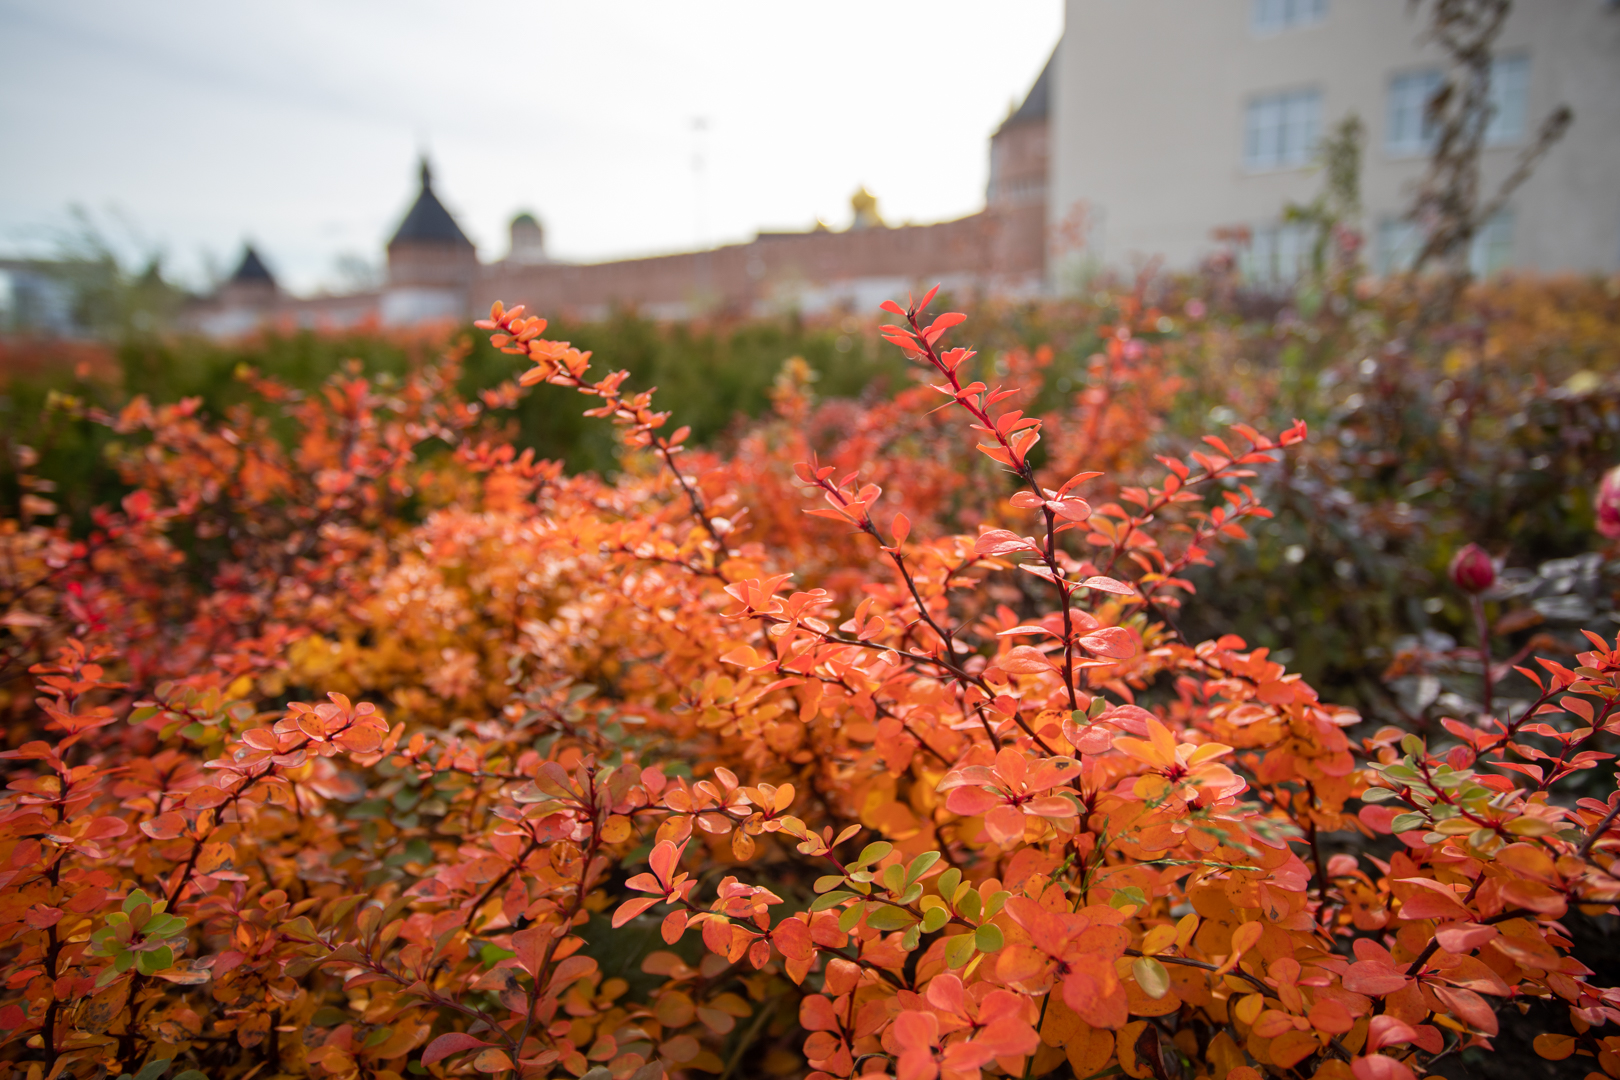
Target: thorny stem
[495, 885]
[1434, 943]
[1026, 474]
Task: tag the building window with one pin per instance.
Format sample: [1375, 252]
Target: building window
[1412, 132]
[1273, 16]
[1280, 130]
[1492, 249]
[1410, 129]
[1400, 240]
[1277, 255]
[1510, 84]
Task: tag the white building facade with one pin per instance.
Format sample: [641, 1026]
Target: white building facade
[1172, 119]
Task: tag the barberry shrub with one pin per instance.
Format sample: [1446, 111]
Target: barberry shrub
[946, 804]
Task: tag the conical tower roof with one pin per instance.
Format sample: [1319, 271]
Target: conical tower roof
[251, 270]
[428, 221]
[1038, 102]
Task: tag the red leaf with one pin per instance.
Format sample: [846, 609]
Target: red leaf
[1111, 641]
[1023, 660]
[816, 1014]
[1373, 978]
[164, 826]
[633, 907]
[453, 1043]
[1000, 542]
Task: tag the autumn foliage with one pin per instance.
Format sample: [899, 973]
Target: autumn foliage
[736, 765]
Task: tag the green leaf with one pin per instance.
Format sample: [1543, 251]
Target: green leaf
[921, 865]
[1413, 745]
[154, 1069]
[1151, 977]
[829, 882]
[874, 852]
[378, 1037]
[158, 959]
[988, 938]
[948, 881]
[968, 907]
[325, 1016]
[894, 878]
[192, 1074]
[1130, 894]
[163, 926]
[135, 899]
[913, 937]
[995, 902]
[851, 916]
[1408, 822]
[1378, 794]
[491, 954]
[935, 918]
[959, 950]
[888, 917]
[831, 900]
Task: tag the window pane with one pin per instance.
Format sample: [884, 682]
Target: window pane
[1260, 150]
[1510, 83]
[1410, 131]
[1280, 130]
[1398, 242]
[1270, 16]
[1300, 127]
[1277, 255]
[1492, 249]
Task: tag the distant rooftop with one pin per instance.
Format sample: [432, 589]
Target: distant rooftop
[428, 221]
[252, 268]
[1038, 101]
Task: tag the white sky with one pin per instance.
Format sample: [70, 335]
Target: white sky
[296, 123]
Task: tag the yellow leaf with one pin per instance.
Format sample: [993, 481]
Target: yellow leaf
[616, 829]
[1159, 939]
[1554, 1047]
[1151, 976]
[1248, 1010]
[492, 1060]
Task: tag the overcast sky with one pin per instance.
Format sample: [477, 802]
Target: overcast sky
[295, 123]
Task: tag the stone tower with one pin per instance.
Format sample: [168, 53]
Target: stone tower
[431, 263]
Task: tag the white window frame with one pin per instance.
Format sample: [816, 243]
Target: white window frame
[1491, 251]
[1281, 130]
[1278, 254]
[1510, 100]
[1408, 132]
[1275, 16]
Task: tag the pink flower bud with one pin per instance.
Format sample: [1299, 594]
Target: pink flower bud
[1608, 504]
[1472, 570]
